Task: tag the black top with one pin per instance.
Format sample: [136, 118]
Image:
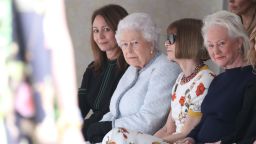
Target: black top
[245, 128]
[222, 105]
[97, 89]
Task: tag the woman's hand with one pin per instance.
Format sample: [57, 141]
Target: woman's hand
[187, 140]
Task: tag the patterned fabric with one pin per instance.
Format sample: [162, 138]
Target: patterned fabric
[124, 136]
[187, 98]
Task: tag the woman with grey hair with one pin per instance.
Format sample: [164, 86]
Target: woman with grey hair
[227, 44]
[142, 98]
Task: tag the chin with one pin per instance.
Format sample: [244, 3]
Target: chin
[221, 65]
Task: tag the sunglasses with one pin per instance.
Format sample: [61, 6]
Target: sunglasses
[171, 38]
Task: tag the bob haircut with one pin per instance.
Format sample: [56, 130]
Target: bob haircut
[140, 22]
[112, 14]
[232, 23]
[189, 40]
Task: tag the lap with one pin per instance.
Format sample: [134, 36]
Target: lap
[122, 135]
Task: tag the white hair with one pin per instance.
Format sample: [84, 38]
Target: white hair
[231, 22]
[141, 22]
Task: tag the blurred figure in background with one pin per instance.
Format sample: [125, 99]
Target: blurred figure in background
[246, 9]
[103, 74]
[41, 98]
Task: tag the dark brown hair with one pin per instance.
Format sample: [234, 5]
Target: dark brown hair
[189, 40]
[112, 14]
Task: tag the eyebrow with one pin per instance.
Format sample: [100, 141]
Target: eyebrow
[217, 41]
[101, 27]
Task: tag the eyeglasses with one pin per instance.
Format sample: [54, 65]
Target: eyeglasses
[171, 38]
[133, 44]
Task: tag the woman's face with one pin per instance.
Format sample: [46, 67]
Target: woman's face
[239, 6]
[136, 50]
[170, 45]
[223, 50]
[103, 35]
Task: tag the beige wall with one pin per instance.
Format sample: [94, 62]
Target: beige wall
[163, 13]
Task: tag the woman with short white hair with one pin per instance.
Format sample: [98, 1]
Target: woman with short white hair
[142, 98]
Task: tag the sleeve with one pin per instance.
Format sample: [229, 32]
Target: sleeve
[199, 91]
[107, 117]
[251, 129]
[82, 93]
[246, 119]
[154, 111]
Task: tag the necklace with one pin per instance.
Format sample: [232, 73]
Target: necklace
[186, 79]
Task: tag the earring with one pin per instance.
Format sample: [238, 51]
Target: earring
[152, 51]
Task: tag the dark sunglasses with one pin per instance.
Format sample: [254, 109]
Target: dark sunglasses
[171, 38]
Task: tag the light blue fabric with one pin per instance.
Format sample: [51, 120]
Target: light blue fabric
[142, 98]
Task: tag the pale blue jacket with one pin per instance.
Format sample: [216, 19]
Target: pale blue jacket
[142, 99]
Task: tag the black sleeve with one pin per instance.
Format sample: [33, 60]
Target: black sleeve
[82, 93]
[250, 134]
[98, 130]
[95, 117]
[245, 128]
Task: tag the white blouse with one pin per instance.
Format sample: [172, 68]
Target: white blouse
[186, 98]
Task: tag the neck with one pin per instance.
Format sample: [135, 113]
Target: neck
[113, 54]
[249, 15]
[188, 66]
[239, 62]
[152, 55]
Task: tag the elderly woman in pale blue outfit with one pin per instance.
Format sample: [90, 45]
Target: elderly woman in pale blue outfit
[141, 100]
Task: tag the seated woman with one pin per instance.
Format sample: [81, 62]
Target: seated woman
[184, 46]
[103, 74]
[227, 44]
[141, 99]
[245, 128]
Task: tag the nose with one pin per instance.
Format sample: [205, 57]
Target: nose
[130, 48]
[216, 50]
[101, 34]
[166, 43]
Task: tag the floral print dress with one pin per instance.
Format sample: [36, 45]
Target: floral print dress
[186, 100]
